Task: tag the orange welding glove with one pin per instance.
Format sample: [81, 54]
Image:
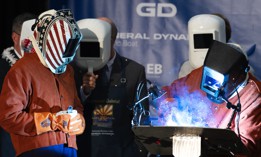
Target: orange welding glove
[46, 121]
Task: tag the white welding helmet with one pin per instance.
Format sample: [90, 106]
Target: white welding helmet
[95, 46]
[56, 38]
[202, 30]
[26, 32]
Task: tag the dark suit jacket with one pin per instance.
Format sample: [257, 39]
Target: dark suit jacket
[134, 73]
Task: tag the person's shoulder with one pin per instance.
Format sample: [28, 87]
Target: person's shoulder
[29, 57]
[197, 71]
[129, 61]
[185, 69]
[29, 60]
[194, 73]
[255, 81]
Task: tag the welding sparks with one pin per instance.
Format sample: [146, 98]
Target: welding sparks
[184, 109]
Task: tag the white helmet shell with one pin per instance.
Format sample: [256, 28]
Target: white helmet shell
[55, 39]
[202, 30]
[95, 46]
[26, 32]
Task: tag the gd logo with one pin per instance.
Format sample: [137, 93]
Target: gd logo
[156, 9]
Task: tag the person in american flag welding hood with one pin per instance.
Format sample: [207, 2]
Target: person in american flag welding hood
[39, 103]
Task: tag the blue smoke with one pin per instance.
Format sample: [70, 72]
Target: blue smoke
[184, 109]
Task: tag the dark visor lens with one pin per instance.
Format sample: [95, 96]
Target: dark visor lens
[71, 47]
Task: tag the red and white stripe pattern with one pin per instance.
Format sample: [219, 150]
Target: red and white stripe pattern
[52, 32]
[56, 39]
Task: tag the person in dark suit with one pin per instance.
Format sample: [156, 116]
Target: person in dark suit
[107, 109]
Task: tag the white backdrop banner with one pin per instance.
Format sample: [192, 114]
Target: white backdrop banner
[154, 32]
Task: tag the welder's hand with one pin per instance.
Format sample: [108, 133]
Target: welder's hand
[88, 82]
[76, 125]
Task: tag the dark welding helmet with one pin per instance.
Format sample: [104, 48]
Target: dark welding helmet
[224, 71]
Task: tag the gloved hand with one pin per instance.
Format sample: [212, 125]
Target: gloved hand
[46, 121]
[72, 123]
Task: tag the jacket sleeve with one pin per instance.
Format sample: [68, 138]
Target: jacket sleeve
[250, 119]
[14, 98]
